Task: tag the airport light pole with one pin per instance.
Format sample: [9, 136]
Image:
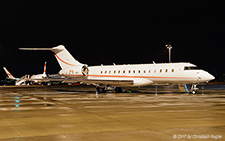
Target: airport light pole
[169, 47]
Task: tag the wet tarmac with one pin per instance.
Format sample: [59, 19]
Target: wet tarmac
[78, 113]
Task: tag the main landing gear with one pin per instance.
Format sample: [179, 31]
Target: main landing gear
[108, 88]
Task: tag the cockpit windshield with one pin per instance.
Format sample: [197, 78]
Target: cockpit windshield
[191, 68]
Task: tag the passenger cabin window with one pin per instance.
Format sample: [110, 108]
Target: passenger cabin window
[191, 68]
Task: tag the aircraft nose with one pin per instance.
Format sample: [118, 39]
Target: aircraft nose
[211, 77]
[206, 77]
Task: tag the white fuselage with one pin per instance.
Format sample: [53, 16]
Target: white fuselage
[145, 74]
[38, 78]
[126, 75]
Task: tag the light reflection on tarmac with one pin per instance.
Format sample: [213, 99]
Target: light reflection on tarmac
[77, 113]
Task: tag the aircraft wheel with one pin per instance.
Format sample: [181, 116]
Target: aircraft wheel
[100, 90]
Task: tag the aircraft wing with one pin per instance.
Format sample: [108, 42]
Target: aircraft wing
[45, 79]
[52, 78]
[65, 80]
[109, 82]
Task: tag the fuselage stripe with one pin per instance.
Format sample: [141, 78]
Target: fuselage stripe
[123, 76]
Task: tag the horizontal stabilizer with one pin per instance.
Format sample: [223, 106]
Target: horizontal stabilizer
[51, 49]
[35, 48]
[64, 58]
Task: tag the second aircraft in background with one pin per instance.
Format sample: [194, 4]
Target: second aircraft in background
[36, 78]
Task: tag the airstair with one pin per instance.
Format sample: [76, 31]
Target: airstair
[23, 80]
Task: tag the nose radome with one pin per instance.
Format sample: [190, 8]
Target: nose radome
[207, 76]
[211, 77]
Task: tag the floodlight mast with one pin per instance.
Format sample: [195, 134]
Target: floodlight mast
[169, 47]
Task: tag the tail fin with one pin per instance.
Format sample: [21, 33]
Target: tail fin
[9, 74]
[64, 58]
[44, 72]
[44, 75]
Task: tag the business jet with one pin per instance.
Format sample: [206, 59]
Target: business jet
[10, 76]
[48, 79]
[105, 77]
[39, 78]
[27, 79]
[18, 81]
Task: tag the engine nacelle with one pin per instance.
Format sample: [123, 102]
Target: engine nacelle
[44, 76]
[79, 73]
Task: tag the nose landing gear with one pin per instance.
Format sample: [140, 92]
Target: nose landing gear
[194, 88]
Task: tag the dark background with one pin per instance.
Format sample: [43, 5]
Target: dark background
[112, 32]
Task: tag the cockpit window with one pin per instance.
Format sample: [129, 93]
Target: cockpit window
[191, 68]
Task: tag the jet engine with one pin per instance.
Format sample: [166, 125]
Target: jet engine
[44, 76]
[77, 73]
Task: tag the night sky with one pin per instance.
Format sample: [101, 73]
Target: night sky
[107, 33]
